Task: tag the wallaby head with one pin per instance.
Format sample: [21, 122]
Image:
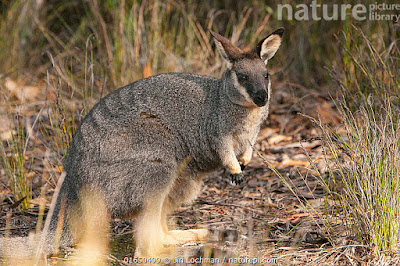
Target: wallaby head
[247, 77]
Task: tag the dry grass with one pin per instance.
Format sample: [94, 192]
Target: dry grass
[366, 157]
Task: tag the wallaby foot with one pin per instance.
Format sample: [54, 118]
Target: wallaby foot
[179, 237]
[237, 178]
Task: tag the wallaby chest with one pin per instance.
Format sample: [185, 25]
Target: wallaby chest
[247, 129]
[254, 118]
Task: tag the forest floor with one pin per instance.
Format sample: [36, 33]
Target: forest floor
[261, 218]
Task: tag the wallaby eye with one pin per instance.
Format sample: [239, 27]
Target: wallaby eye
[267, 76]
[242, 77]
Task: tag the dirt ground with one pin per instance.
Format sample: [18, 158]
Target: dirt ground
[262, 217]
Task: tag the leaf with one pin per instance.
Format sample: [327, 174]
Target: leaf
[279, 138]
[266, 132]
[289, 162]
[147, 72]
[59, 168]
[15, 204]
[22, 92]
[7, 135]
[327, 115]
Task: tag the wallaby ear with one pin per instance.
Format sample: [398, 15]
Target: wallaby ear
[268, 46]
[227, 50]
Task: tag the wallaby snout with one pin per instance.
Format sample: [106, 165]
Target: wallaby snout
[260, 98]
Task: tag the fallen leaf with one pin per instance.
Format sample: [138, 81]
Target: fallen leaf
[289, 162]
[296, 216]
[39, 201]
[7, 135]
[327, 115]
[249, 194]
[5, 128]
[308, 146]
[279, 138]
[266, 132]
[147, 72]
[21, 91]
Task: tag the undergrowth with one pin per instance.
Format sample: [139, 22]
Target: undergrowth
[366, 156]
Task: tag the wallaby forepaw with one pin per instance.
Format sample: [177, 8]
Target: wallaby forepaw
[237, 178]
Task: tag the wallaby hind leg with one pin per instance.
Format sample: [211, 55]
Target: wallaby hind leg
[149, 233]
[179, 237]
[185, 190]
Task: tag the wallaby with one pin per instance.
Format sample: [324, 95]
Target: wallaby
[147, 145]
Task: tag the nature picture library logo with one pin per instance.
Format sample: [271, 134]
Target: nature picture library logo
[315, 11]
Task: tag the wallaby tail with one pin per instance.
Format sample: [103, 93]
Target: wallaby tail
[88, 224]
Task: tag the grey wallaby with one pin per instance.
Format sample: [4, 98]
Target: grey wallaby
[147, 145]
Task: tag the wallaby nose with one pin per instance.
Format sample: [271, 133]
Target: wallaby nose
[260, 98]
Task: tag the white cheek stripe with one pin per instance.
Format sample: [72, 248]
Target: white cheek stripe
[269, 90]
[242, 90]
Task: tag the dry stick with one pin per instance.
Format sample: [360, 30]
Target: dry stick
[96, 11]
[49, 216]
[260, 29]
[31, 129]
[233, 205]
[237, 30]
[59, 227]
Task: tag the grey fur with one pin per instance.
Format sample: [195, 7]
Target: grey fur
[135, 143]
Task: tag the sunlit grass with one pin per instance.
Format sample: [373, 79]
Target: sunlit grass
[367, 164]
[15, 163]
[366, 158]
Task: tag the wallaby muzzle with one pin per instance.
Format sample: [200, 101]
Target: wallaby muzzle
[260, 98]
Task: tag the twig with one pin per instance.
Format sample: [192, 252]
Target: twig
[232, 205]
[31, 129]
[49, 216]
